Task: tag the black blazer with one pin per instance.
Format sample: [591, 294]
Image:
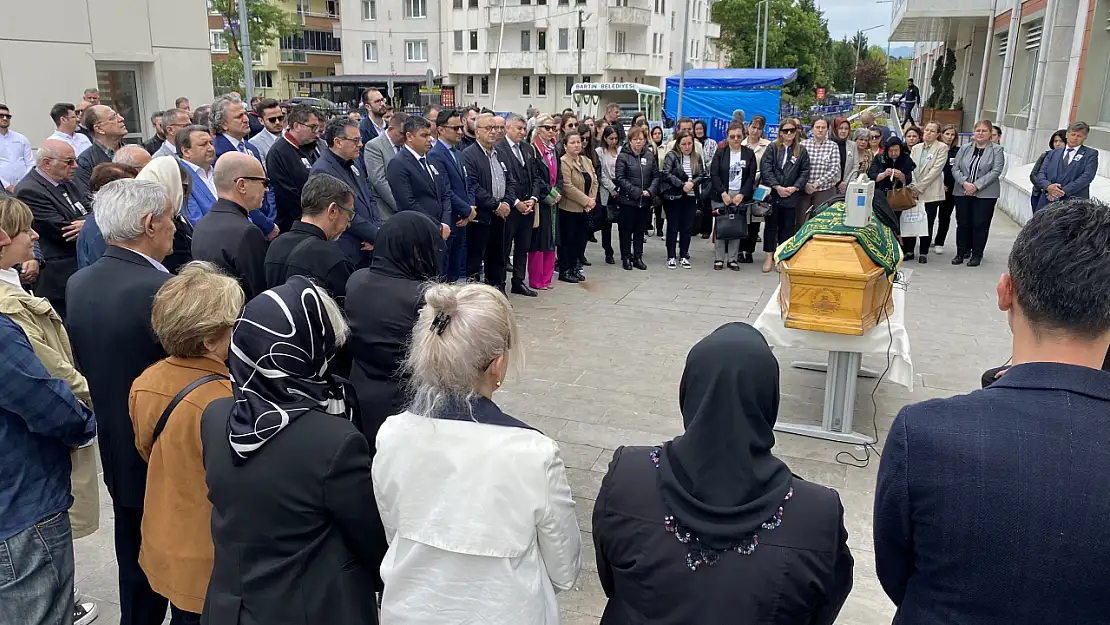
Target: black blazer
[306, 251]
[109, 306]
[53, 208]
[287, 168]
[227, 238]
[414, 190]
[634, 175]
[481, 180]
[989, 507]
[795, 174]
[800, 573]
[528, 182]
[92, 156]
[719, 174]
[673, 176]
[296, 532]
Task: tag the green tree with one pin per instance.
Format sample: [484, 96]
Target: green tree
[897, 73]
[870, 75]
[842, 59]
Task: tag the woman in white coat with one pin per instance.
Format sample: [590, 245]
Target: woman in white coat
[930, 156]
[475, 504]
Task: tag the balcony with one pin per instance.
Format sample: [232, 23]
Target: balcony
[932, 20]
[512, 60]
[319, 21]
[634, 16]
[626, 61]
[473, 63]
[293, 56]
[512, 14]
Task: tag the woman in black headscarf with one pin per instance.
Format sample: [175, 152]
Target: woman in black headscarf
[893, 165]
[294, 527]
[382, 305]
[711, 527]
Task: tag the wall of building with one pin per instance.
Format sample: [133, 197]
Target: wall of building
[43, 61]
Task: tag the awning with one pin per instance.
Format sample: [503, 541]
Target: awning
[734, 78]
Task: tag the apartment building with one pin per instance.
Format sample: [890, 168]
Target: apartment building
[1031, 66]
[509, 54]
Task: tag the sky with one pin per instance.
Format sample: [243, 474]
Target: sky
[847, 16]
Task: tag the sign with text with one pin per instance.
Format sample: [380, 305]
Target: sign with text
[820, 93]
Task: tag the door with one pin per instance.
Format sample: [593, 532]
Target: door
[120, 88]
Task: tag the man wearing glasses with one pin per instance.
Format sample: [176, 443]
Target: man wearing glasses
[373, 123]
[446, 156]
[173, 122]
[340, 161]
[225, 236]
[273, 122]
[309, 248]
[290, 160]
[108, 130]
[16, 158]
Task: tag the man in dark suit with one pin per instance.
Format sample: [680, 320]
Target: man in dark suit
[341, 160]
[446, 156]
[290, 159]
[373, 123]
[988, 506]
[113, 343]
[225, 236]
[416, 184]
[58, 206]
[106, 129]
[1067, 172]
[490, 177]
[229, 118]
[530, 187]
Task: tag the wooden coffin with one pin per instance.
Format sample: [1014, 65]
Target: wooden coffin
[832, 285]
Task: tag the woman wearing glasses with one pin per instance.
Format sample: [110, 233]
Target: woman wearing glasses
[785, 169]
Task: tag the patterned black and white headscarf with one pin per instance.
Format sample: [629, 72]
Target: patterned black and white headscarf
[279, 360]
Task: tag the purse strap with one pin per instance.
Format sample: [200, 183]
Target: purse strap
[182, 394]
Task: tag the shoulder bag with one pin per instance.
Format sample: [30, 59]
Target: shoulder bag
[182, 394]
[731, 222]
[901, 197]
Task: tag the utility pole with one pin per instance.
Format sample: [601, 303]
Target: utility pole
[766, 18]
[758, 15]
[682, 61]
[579, 40]
[245, 49]
[497, 72]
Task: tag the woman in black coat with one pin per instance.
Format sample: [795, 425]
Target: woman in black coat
[785, 169]
[732, 176]
[382, 304]
[682, 177]
[893, 165]
[295, 528]
[711, 527]
[637, 183]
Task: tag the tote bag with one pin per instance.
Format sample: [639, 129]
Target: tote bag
[914, 222]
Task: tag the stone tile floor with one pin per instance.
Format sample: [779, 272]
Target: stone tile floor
[603, 364]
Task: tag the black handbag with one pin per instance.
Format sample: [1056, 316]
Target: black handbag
[731, 222]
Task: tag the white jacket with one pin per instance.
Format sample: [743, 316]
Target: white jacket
[480, 523]
[928, 178]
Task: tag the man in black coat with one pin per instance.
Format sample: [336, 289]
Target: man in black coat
[106, 129]
[490, 177]
[290, 160]
[225, 236]
[984, 504]
[530, 188]
[113, 343]
[416, 184]
[310, 248]
[373, 123]
[341, 160]
[59, 210]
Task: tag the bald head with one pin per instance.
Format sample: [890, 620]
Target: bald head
[233, 166]
[134, 155]
[867, 119]
[57, 159]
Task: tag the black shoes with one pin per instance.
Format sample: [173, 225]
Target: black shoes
[735, 266]
[592, 238]
[705, 235]
[924, 258]
[566, 276]
[578, 275]
[638, 263]
[585, 263]
[908, 256]
[975, 261]
[958, 260]
[609, 260]
[626, 263]
[522, 289]
[746, 258]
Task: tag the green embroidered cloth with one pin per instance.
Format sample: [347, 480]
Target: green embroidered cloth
[876, 239]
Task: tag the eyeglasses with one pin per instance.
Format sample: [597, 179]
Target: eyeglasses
[69, 162]
[349, 211]
[377, 101]
[355, 140]
[274, 120]
[314, 127]
[5, 116]
[876, 137]
[456, 127]
[262, 179]
[550, 128]
[787, 131]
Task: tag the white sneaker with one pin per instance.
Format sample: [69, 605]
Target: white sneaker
[686, 263]
[84, 613]
[671, 264]
[938, 249]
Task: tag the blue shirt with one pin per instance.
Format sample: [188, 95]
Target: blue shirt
[90, 243]
[40, 421]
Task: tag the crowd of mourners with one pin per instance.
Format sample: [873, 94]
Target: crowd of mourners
[286, 342]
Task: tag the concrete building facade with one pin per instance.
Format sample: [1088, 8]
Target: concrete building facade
[140, 54]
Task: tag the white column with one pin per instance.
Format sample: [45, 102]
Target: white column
[1073, 62]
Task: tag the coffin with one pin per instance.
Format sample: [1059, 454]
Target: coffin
[832, 285]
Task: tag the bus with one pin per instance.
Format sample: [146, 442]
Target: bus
[593, 97]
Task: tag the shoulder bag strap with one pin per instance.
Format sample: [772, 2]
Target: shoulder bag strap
[182, 394]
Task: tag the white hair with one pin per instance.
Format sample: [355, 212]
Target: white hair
[219, 111]
[44, 153]
[338, 322]
[133, 155]
[121, 205]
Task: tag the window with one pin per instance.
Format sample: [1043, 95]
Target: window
[264, 80]
[586, 79]
[1032, 50]
[564, 38]
[621, 36]
[485, 85]
[312, 41]
[541, 39]
[697, 10]
[458, 41]
[473, 4]
[694, 50]
[525, 41]
[217, 41]
[1003, 43]
[525, 2]
[473, 40]
[670, 60]
[416, 51]
[304, 75]
[541, 2]
[212, 8]
[564, 2]
[672, 20]
[525, 85]
[369, 9]
[568, 83]
[457, 4]
[370, 51]
[416, 8]
[470, 85]
[541, 84]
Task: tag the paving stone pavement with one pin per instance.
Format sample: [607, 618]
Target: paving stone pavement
[603, 363]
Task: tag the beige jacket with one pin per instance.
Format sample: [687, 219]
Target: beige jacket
[575, 193]
[928, 178]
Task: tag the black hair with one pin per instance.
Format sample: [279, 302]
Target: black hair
[334, 128]
[415, 123]
[320, 191]
[265, 103]
[445, 115]
[59, 111]
[1062, 134]
[300, 114]
[573, 133]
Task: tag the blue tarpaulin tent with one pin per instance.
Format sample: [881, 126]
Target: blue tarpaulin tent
[713, 94]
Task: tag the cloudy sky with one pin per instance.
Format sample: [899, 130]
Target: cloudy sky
[847, 16]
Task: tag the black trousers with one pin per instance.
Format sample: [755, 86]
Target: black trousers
[486, 242]
[573, 229]
[781, 225]
[944, 218]
[630, 229]
[518, 236]
[973, 224]
[680, 224]
[138, 604]
[705, 217]
[181, 617]
[606, 229]
[748, 245]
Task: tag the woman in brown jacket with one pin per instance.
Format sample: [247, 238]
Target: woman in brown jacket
[193, 315]
[579, 198]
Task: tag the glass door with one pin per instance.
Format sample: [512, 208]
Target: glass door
[121, 89]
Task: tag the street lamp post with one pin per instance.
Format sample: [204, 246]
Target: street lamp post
[763, 5]
[855, 69]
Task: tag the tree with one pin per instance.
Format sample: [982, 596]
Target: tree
[870, 75]
[897, 74]
[797, 37]
[268, 23]
[842, 59]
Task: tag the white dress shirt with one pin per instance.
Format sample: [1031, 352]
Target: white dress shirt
[77, 141]
[16, 158]
[157, 265]
[206, 176]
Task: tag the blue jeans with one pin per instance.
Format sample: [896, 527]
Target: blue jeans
[36, 574]
[454, 260]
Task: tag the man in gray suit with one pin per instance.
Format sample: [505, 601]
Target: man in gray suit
[377, 154]
[1067, 172]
